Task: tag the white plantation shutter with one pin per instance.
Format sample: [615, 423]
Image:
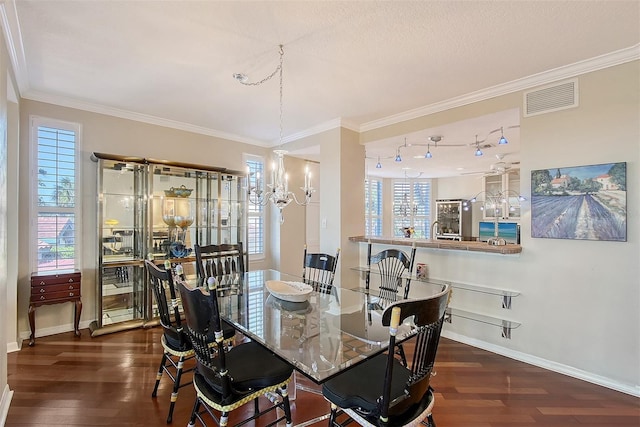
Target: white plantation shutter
[373, 207]
[56, 196]
[411, 207]
[256, 213]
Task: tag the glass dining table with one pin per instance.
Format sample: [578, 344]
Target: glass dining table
[321, 336]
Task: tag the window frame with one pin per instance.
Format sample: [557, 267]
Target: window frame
[37, 122]
[262, 211]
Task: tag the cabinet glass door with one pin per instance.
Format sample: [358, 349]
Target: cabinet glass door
[448, 217]
[173, 211]
[231, 209]
[513, 188]
[122, 220]
[492, 205]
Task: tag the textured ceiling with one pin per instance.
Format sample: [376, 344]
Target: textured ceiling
[354, 61]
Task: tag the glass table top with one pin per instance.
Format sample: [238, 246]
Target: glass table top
[320, 337]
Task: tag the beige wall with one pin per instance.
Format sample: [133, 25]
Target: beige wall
[106, 134]
[580, 300]
[7, 289]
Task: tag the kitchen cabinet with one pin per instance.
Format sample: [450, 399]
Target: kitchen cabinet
[501, 196]
[157, 210]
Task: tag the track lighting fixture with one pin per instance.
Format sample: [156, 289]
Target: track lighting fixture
[478, 150]
[503, 140]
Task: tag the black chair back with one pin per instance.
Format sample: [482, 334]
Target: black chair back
[203, 322]
[428, 317]
[392, 264]
[219, 260]
[167, 305]
[319, 270]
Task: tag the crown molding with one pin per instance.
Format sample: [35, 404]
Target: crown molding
[138, 117]
[323, 127]
[13, 38]
[594, 64]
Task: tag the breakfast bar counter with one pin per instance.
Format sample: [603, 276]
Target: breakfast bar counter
[473, 246]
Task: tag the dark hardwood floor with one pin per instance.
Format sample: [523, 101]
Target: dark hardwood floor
[107, 380]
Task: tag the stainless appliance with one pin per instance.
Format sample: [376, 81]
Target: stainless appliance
[453, 221]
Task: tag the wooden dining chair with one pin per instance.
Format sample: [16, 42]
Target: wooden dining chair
[226, 380]
[177, 348]
[381, 391]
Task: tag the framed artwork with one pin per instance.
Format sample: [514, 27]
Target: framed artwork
[581, 202]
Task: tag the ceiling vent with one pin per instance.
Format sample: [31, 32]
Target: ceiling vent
[555, 97]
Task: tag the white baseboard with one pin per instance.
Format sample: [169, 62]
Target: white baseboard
[546, 364]
[44, 332]
[4, 404]
[13, 346]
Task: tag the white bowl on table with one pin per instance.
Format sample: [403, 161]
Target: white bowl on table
[289, 291]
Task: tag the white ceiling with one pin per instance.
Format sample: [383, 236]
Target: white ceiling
[356, 63]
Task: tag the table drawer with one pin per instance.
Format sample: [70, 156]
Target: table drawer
[42, 289]
[51, 296]
[55, 279]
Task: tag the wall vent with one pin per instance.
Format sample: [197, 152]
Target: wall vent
[555, 97]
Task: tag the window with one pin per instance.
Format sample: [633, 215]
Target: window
[373, 206]
[256, 212]
[411, 207]
[55, 202]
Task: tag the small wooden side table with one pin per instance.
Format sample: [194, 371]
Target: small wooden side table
[54, 289]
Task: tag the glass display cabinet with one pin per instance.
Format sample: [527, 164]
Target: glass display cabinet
[452, 221]
[502, 194]
[157, 210]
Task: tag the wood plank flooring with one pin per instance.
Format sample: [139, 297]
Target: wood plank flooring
[107, 380]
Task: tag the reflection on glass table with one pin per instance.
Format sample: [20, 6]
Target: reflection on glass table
[320, 337]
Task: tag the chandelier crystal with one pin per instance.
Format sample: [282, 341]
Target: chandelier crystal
[278, 189]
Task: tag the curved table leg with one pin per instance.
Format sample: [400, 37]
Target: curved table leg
[78, 311]
[32, 325]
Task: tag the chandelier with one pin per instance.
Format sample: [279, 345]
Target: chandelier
[405, 207]
[278, 189]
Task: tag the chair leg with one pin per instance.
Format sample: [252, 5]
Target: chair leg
[332, 415]
[430, 422]
[194, 413]
[224, 419]
[286, 405]
[176, 387]
[159, 375]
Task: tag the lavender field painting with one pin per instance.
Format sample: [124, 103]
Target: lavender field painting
[583, 202]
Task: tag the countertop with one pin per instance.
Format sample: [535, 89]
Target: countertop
[455, 245]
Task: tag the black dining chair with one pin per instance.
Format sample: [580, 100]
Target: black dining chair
[219, 260]
[177, 348]
[226, 380]
[319, 269]
[381, 391]
[391, 265]
[225, 262]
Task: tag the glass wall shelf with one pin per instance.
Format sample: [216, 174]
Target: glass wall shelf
[505, 324]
